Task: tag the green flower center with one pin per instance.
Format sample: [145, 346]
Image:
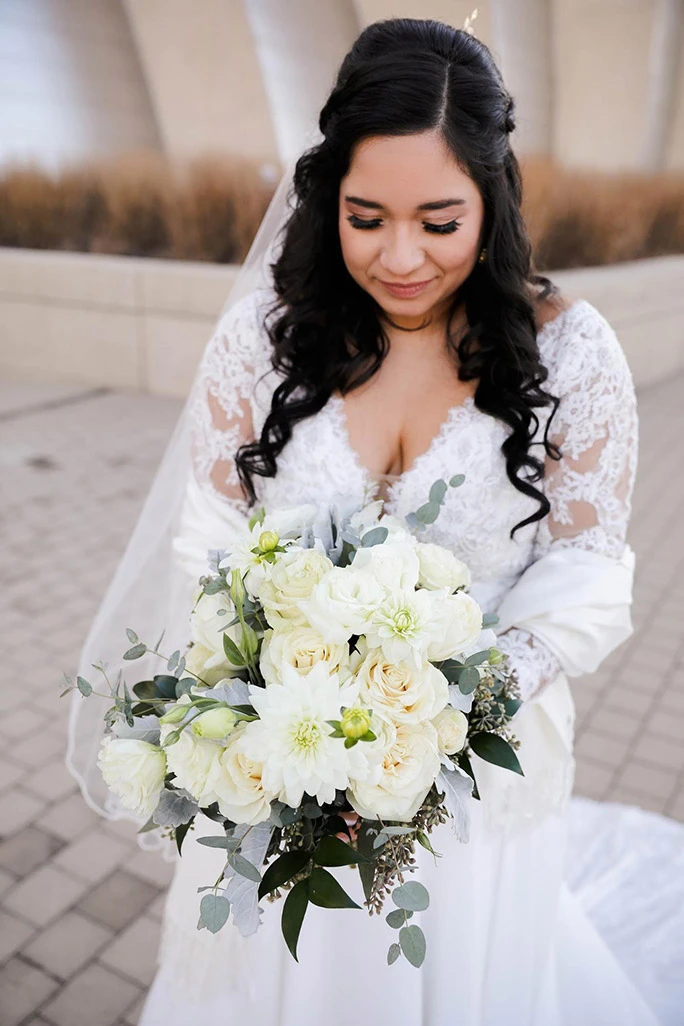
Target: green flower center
[307, 735]
[403, 622]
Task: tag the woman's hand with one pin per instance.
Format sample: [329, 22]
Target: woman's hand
[352, 820]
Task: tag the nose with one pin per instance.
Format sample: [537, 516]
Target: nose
[402, 253]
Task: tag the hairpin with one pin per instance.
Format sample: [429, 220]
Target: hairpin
[468, 23]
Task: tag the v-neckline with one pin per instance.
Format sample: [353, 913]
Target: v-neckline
[336, 405]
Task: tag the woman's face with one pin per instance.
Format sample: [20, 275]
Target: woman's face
[409, 215]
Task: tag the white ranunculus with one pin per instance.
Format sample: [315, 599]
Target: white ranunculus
[134, 771]
[394, 563]
[291, 739]
[195, 763]
[407, 625]
[403, 692]
[342, 602]
[439, 568]
[301, 647]
[238, 784]
[293, 577]
[207, 623]
[459, 624]
[452, 728]
[395, 789]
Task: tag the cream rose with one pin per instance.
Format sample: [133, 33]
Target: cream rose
[439, 568]
[133, 770]
[293, 577]
[239, 789]
[301, 647]
[209, 618]
[201, 662]
[460, 620]
[403, 692]
[397, 787]
[452, 728]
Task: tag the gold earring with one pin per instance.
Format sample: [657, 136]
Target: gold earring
[482, 257]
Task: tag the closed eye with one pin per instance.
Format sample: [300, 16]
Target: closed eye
[439, 229]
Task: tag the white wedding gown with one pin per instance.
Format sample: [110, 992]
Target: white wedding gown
[557, 912]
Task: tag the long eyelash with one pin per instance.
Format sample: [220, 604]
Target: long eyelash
[357, 222]
[439, 229]
[442, 229]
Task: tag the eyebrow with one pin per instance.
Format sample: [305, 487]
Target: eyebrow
[432, 205]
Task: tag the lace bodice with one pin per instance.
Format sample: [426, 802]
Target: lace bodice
[589, 489]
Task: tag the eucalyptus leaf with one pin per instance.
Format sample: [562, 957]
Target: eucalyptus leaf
[438, 491]
[412, 941]
[244, 867]
[84, 686]
[397, 918]
[132, 636]
[136, 652]
[411, 896]
[457, 480]
[393, 954]
[230, 844]
[376, 536]
[214, 912]
[478, 657]
[428, 513]
[489, 620]
[468, 680]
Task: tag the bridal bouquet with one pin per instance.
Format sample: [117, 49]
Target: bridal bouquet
[338, 677]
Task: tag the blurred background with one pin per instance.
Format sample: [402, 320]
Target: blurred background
[140, 142]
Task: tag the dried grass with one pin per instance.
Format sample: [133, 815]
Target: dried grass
[587, 219]
[210, 210]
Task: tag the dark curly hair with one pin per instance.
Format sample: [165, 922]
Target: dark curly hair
[405, 76]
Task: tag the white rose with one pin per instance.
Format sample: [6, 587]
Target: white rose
[452, 729]
[201, 662]
[460, 620]
[342, 602]
[293, 577]
[439, 568]
[133, 770]
[195, 763]
[238, 784]
[207, 623]
[401, 691]
[394, 563]
[397, 787]
[302, 647]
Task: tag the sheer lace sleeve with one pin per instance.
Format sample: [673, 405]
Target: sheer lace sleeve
[223, 410]
[590, 488]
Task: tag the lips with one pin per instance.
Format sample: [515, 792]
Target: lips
[406, 291]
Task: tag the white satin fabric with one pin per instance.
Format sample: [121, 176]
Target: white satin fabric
[510, 940]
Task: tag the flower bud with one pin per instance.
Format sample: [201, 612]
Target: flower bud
[268, 540]
[355, 722]
[174, 715]
[214, 724]
[496, 656]
[237, 588]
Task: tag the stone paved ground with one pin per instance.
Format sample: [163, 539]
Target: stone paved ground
[80, 903]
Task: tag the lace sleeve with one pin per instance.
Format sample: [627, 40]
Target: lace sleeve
[590, 488]
[222, 410]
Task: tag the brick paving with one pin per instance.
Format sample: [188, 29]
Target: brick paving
[80, 904]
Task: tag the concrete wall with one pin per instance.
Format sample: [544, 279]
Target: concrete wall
[203, 77]
[70, 82]
[134, 323]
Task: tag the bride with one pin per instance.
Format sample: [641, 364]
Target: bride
[398, 335]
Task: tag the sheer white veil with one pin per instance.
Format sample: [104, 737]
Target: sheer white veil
[148, 592]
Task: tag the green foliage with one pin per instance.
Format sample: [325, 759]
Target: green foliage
[294, 909]
[495, 749]
[411, 896]
[324, 890]
[412, 941]
[214, 912]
